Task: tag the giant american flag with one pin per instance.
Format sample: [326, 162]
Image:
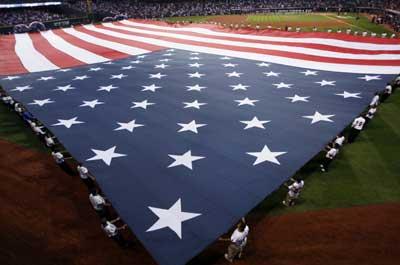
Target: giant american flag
[188, 128]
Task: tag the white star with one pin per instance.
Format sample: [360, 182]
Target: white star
[120, 76]
[167, 54]
[195, 104]
[263, 64]
[142, 56]
[106, 155]
[143, 104]
[107, 88]
[129, 126]
[136, 61]
[239, 87]
[197, 65]
[170, 50]
[191, 126]
[266, 155]
[195, 75]
[95, 69]
[271, 74]
[246, 101]
[194, 53]
[129, 67]
[296, 98]
[64, 88]
[108, 63]
[195, 88]
[64, 70]
[171, 218]
[165, 60]
[68, 123]
[226, 58]
[308, 72]
[234, 74]
[326, 83]
[82, 77]
[229, 65]
[157, 76]
[41, 102]
[317, 117]
[11, 77]
[46, 78]
[370, 77]
[162, 66]
[92, 104]
[151, 88]
[283, 85]
[346, 94]
[22, 88]
[194, 58]
[254, 123]
[184, 160]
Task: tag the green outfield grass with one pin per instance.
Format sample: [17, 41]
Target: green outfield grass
[323, 21]
[196, 19]
[14, 130]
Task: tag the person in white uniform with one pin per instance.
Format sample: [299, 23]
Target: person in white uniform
[294, 191]
[98, 203]
[375, 100]
[387, 92]
[238, 241]
[331, 153]
[85, 176]
[112, 231]
[370, 115]
[356, 128]
[339, 140]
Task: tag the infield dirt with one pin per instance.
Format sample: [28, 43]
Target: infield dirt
[46, 219]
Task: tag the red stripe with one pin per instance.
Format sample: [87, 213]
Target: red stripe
[291, 55]
[10, 64]
[292, 44]
[96, 49]
[136, 44]
[279, 33]
[57, 57]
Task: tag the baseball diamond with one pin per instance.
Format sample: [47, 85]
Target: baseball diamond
[199, 132]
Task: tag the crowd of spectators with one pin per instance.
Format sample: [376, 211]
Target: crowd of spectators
[160, 9]
[168, 8]
[27, 15]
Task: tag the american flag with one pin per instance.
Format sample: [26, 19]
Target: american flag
[184, 142]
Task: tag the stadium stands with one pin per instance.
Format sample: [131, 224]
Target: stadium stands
[160, 9]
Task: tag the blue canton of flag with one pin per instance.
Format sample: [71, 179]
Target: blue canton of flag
[184, 144]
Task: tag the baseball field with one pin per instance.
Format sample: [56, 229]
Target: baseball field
[348, 215]
[306, 21]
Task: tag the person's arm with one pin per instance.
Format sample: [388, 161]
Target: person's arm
[122, 227]
[115, 220]
[91, 176]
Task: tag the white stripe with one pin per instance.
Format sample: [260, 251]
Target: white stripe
[72, 50]
[30, 58]
[105, 43]
[323, 41]
[364, 69]
[281, 48]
